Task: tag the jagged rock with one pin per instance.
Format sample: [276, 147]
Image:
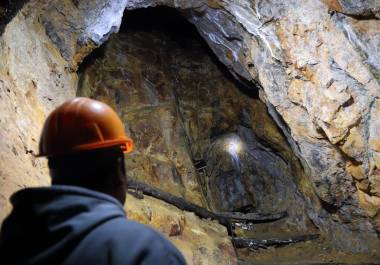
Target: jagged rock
[77, 27]
[33, 80]
[137, 84]
[318, 57]
[361, 8]
[201, 241]
[8, 10]
[176, 100]
[317, 72]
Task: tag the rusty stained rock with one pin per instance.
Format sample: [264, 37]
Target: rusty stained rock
[330, 92]
[133, 78]
[332, 54]
[180, 106]
[39, 49]
[360, 9]
[319, 74]
[200, 241]
[33, 80]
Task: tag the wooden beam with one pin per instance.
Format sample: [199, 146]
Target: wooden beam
[224, 217]
[254, 243]
[256, 217]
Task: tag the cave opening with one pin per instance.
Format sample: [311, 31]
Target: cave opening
[194, 84]
[200, 134]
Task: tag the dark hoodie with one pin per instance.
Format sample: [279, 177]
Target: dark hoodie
[72, 225]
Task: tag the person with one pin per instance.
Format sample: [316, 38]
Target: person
[80, 218]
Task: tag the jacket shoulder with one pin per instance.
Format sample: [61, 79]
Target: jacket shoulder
[128, 242]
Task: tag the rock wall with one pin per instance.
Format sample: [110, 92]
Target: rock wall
[40, 50]
[316, 64]
[317, 68]
[183, 109]
[33, 79]
[131, 76]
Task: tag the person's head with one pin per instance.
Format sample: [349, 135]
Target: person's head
[85, 142]
[100, 170]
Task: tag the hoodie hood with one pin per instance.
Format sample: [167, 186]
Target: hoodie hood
[49, 222]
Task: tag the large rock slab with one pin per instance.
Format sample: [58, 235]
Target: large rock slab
[200, 241]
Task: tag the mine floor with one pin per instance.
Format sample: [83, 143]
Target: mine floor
[304, 253]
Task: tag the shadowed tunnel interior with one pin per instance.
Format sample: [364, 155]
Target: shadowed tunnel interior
[199, 133]
[255, 123]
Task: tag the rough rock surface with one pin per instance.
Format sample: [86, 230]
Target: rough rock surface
[200, 241]
[316, 64]
[33, 79]
[35, 76]
[318, 72]
[39, 50]
[184, 110]
[134, 77]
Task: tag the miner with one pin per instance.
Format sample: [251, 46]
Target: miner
[80, 219]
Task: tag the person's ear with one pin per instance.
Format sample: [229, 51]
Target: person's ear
[121, 163]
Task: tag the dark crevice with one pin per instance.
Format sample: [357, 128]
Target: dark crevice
[364, 16]
[89, 60]
[8, 10]
[164, 19]
[170, 22]
[330, 208]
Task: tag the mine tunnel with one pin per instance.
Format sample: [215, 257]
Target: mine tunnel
[200, 134]
[217, 167]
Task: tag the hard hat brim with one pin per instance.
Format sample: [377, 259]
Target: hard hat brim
[126, 145]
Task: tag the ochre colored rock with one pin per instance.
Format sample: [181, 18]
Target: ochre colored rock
[354, 145]
[182, 115]
[370, 203]
[317, 72]
[356, 171]
[201, 241]
[33, 80]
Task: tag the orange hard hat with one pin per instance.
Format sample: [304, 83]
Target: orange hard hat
[82, 124]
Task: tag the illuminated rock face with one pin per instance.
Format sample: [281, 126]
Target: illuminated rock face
[196, 133]
[316, 64]
[318, 68]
